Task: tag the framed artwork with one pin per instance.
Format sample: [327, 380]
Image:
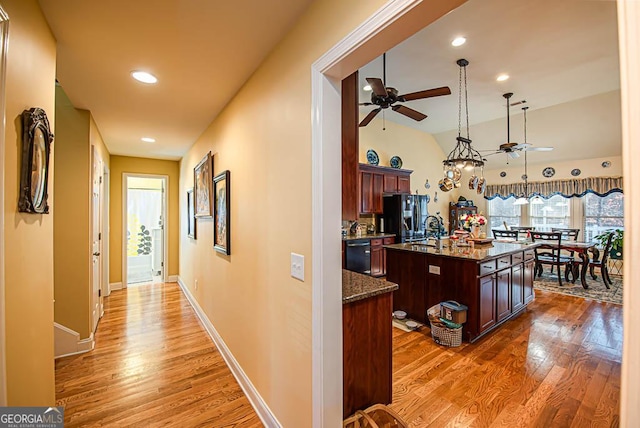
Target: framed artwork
[222, 204]
[202, 174]
[34, 169]
[191, 215]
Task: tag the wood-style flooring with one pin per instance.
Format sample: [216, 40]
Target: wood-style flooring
[153, 365]
[555, 365]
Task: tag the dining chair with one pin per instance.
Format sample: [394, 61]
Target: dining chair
[508, 234]
[567, 235]
[602, 264]
[549, 254]
[523, 230]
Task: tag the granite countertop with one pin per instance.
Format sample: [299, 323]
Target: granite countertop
[368, 236]
[480, 252]
[356, 286]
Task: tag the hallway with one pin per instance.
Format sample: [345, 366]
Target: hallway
[153, 365]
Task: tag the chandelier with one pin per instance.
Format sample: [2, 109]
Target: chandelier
[463, 156]
[523, 199]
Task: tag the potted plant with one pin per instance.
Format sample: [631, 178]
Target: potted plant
[616, 242]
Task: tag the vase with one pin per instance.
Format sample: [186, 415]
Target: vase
[476, 231]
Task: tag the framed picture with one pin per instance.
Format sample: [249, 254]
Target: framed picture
[202, 174]
[222, 204]
[191, 215]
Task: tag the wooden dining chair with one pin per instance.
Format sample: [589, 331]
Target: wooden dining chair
[549, 254]
[567, 235]
[602, 264]
[523, 230]
[506, 234]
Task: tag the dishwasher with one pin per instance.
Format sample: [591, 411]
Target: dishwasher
[358, 255]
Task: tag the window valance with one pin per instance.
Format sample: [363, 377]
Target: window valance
[578, 187]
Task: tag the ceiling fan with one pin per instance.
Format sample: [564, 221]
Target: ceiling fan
[385, 97]
[510, 148]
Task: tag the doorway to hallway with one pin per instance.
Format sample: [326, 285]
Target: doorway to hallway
[144, 219]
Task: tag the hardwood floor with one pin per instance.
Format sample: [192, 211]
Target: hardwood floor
[555, 365]
[153, 365]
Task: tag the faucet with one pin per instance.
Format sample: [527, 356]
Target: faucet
[440, 228]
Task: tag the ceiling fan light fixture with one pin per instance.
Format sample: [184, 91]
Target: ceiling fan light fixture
[458, 41]
[521, 201]
[537, 200]
[366, 88]
[148, 139]
[502, 77]
[144, 77]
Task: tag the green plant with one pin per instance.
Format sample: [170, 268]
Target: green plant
[616, 242]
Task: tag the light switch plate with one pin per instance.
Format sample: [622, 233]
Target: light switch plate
[434, 269]
[297, 266]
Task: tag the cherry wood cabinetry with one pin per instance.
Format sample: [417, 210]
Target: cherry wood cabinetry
[494, 290]
[366, 335]
[375, 181]
[386, 241]
[377, 259]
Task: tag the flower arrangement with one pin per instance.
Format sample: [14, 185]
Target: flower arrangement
[470, 220]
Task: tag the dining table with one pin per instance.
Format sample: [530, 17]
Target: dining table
[582, 249]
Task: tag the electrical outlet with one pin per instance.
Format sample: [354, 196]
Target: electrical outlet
[196, 284]
[297, 266]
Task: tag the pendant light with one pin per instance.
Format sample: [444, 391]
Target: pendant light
[462, 155]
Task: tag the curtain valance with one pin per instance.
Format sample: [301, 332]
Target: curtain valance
[578, 187]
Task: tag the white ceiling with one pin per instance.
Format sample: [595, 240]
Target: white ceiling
[562, 56]
[202, 52]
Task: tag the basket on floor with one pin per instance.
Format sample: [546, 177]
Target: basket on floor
[376, 416]
[442, 334]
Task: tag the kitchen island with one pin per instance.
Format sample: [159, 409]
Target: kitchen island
[495, 281]
[366, 340]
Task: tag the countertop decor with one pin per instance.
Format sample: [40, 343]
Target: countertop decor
[356, 286]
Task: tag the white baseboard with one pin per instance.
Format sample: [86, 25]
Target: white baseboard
[172, 278]
[115, 286]
[67, 342]
[257, 402]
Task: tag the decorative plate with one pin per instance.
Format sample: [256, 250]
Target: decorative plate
[575, 172]
[372, 157]
[503, 174]
[606, 164]
[395, 162]
[548, 172]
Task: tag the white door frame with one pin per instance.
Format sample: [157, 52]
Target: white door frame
[347, 56]
[106, 188]
[4, 44]
[165, 227]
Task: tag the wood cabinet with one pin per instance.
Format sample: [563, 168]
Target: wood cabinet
[494, 290]
[375, 181]
[386, 241]
[350, 134]
[454, 215]
[366, 340]
[377, 262]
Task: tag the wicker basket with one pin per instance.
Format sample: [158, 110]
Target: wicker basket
[376, 416]
[442, 334]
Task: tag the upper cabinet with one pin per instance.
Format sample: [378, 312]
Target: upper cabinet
[375, 181]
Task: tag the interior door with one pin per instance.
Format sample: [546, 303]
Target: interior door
[96, 297]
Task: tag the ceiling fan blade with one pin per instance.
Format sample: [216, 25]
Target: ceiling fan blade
[409, 112]
[377, 86]
[369, 117]
[539, 149]
[491, 154]
[513, 155]
[435, 92]
[521, 146]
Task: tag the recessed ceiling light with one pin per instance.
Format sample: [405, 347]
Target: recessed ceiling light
[367, 88]
[144, 77]
[458, 41]
[148, 139]
[502, 77]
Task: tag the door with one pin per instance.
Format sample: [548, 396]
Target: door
[96, 298]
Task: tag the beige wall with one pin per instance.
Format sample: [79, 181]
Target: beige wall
[419, 152]
[264, 138]
[76, 133]
[124, 164]
[31, 67]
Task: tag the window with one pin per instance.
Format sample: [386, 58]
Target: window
[553, 212]
[503, 211]
[602, 213]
